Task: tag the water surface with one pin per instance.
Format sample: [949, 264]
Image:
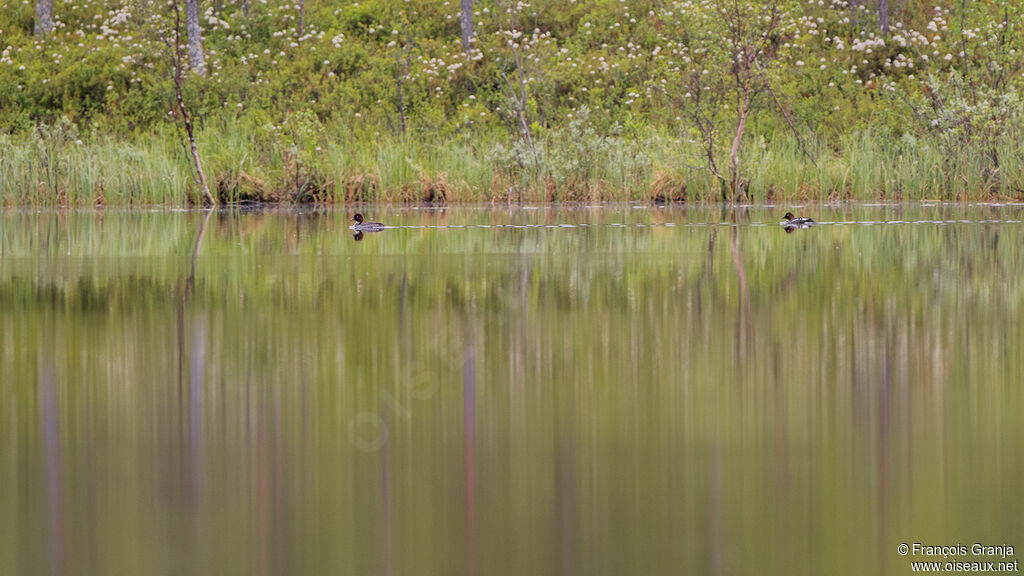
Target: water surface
[586, 390]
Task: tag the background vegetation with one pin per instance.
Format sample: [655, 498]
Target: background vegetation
[553, 100]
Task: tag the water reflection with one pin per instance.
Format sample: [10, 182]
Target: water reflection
[790, 229]
[590, 390]
[50, 418]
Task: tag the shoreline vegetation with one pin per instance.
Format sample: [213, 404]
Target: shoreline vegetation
[155, 171]
[393, 102]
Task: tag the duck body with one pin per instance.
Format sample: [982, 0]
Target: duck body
[362, 226]
[801, 222]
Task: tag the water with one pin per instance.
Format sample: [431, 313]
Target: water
[591, 390]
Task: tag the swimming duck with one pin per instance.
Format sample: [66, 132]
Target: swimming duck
[361, 226]
[790, 220]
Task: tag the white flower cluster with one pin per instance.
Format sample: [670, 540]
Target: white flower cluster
[867, 45]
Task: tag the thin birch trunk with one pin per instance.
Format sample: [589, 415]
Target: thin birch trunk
[183, 110]
[195, 37]
[44, 18]
[467, 23]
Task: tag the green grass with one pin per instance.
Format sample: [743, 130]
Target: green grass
[243, 162]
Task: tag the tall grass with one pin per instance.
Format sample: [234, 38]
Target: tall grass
[52, 166]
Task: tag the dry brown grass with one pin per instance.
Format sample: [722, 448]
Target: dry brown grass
[667, 188]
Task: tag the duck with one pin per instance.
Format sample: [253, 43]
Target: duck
[790, 220]
[361, 226]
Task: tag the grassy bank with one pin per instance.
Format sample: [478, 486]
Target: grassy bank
[54, 166]
[548, 101]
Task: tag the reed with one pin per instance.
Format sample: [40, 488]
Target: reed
[332, 165]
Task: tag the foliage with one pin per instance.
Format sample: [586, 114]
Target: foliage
[314, 107]
[958, 117]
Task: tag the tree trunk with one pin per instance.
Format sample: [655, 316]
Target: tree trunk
[883, 16]
[302, 18]
[183, 110]
[195, 37]
[44, 18]
[399, 78]
[854, 4]
[467, 23]
[208, 198]
[186, 118]
[743, 108]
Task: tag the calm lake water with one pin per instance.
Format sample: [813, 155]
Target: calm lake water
[588, 390]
